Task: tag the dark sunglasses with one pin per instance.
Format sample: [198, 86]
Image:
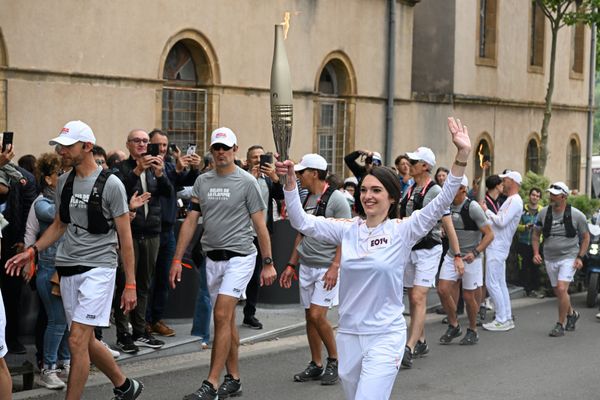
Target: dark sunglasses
[558, 188]
[220, 146]
[414, 162]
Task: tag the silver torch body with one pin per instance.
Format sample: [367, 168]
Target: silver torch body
[281, 97]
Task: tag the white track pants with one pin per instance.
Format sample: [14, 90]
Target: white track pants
[495, 282]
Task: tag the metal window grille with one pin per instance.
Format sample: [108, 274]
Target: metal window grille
[331, 133]
[185, 116]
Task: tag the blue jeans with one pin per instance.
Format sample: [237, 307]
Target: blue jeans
[159, 291]
[203, 309]
[56, 337]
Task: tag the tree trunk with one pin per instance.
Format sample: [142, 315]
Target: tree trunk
[548, 108]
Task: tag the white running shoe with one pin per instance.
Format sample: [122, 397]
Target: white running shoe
[114, 353]
[497, 326]
[65, 369]
[50, 379]
[598, 315]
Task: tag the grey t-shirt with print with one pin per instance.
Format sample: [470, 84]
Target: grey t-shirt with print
[226, 202]
[468, 240]
[558, 246]
[436, 231]
[315, 253]
[80, 247]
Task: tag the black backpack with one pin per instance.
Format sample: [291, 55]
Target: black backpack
[97, 222]
[567, 221]
[468, 223]
[322, 202]
[417, 200]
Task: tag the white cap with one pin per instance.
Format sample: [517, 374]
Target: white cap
[73, 132]
[377, 157]
[465, 181]
[313, 161]
[351, 179]
[423, 154]
[558, 188]
[514, 175]
[224, 136]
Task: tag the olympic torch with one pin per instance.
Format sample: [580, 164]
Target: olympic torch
[281, 96]
[483, 163]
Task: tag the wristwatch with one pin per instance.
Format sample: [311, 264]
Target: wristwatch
[267, 261]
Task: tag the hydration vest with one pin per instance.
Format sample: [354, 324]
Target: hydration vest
[417, 198]
[97, 222]
[567, 222]
[468, 223]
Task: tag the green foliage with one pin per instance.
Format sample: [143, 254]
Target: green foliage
[584, 204]
[570, 12]
[531, 180]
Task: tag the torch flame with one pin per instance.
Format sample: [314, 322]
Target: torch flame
[481, 155]
[286, 24]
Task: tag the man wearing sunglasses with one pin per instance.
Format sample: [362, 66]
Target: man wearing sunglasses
[566, 240]
[229, 200]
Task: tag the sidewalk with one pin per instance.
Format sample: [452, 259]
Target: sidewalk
[279, 321]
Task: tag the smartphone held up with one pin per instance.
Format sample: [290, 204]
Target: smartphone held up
[7, 138]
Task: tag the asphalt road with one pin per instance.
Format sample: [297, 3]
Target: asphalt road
[521, 364]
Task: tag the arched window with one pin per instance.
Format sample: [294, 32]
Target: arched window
[573, 164]
[184, 102]
[332, 115]
[532, 161]
[483, 152]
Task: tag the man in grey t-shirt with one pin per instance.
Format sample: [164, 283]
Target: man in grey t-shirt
[566, 240]
[87, 260]
[230, 202]
[319, 268]
[474, 234]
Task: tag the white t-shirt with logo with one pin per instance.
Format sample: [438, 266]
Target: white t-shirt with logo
[373, 259]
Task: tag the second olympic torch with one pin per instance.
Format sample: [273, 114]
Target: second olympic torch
[281, 98]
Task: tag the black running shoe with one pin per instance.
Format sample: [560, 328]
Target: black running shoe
[421, 349]
[311, 373]
[557, 331]
[125, 343]
[407, 358]
[230, 387]
[252, 323]
[471, 337]
[147, 340]
[206, 392]
[451, 333]
[571, 321]
[134, 391]
[330, 375]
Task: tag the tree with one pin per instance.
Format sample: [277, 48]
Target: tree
[561, 13]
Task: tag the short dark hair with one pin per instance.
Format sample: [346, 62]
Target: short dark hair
[400, 158]
[254, 147]
[350, 184]
[98, 151]
[535, 189]
[28, 162]
[157, 131]
[389, 180]
[113, 160]
[321, 174]
[492, 181]
[335, 181]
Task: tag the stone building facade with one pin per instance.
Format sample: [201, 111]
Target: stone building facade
[193, 65]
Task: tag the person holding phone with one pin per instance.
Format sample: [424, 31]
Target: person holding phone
[142, 172]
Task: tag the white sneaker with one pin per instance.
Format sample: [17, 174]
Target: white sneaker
[50, 379]
[498, 326]
[511, 323]
[488, 304]
[114, 353]
[64, 371]
[598, 315]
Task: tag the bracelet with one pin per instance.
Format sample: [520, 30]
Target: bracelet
[458, 255]
[475, 252]
[130, 286]
[580, 257]
[460, 163]
[294, 266]
[175, 262]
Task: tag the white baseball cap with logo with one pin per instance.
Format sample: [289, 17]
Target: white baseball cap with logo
[558, 188]
[514, 175]
[224, 136]
[423, 154]
[313, 161]
[73, 132]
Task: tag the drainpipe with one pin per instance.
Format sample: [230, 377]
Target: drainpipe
[590, 124]
[391, 77]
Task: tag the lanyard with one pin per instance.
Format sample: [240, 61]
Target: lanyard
[422, 190]
[492, 202]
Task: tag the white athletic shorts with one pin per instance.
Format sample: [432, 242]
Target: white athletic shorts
[422, 266]
[3, 348]
[312, 290]
[229, 277]
[368, 364]
[87, 297]
[561, 270]
[472, 278]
